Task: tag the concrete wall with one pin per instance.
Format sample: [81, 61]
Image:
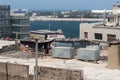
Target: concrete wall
[2, 67]
[114, 57]
[47, 73]
[88, 27]
[10, 71]
[18, 70]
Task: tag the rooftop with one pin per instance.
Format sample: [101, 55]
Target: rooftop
[101, 25]
[92, 71]
[6, 43]
[107, 27]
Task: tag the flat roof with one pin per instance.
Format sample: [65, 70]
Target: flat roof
[91, 70]
[6, 43]
[105, 26]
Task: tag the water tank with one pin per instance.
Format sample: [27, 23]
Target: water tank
[93, 47]
[63, 52]
[64, 44]
[88, 54]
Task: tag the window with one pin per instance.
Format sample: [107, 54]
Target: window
[98, 36]
[111, 37]
[85, 35]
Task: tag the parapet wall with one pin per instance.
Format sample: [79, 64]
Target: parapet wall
[48, 73]
[10, 71]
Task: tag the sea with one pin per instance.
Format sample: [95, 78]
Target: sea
[69, 28]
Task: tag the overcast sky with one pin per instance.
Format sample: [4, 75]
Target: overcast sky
[59, 4]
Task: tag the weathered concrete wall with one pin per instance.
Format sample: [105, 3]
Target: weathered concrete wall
[47, 73]
[10, 71]
[18, 70]
[114, 57]
[3, 76]
[2, 67]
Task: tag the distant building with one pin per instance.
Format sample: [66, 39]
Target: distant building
[66, 16]
[65, 12]
[20, 23]
[103, 31]
[116, 8]
[18, 12]
[101, 11]
[14, 25]
[5, 28]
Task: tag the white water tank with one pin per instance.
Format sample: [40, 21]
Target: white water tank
[88, 54]
[63, 52]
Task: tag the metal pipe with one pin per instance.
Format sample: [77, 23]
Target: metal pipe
[36, 59]
[104, 17]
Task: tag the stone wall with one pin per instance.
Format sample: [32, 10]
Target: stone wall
[47, 73]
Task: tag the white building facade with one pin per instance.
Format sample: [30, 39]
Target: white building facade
[103, 31]
[99, 32]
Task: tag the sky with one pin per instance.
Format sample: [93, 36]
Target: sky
[59, 4]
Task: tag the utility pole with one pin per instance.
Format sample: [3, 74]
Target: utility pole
[16, 41]
[36, 59]
[6, 71]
